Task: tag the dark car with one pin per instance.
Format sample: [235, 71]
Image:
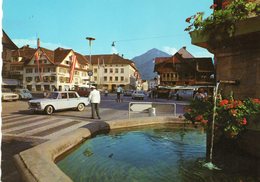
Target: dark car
[83, 91]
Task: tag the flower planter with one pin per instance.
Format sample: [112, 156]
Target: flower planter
[242, 28]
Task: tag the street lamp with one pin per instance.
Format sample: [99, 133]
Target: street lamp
[90, 72]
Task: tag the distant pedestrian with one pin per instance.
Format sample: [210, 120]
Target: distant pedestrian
[106, 92]
[119, 91]
[94, 99]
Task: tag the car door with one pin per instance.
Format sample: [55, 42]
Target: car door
[63, 101]
[73, 99]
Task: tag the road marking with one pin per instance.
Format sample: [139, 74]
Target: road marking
[39, 127]
[14, 118]
[22, 122]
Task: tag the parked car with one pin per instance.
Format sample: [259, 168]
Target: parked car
[83, 91]
[138, 94]
[8, 95]
[59, 100]
[23, 93]
[128, 92]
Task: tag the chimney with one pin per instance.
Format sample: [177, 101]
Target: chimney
[38, 42]
[184, 47]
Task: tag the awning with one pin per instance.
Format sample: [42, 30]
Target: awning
[10, 82]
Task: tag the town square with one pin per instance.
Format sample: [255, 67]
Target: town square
[148, 90]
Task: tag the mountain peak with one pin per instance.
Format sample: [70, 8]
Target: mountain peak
[145, 62]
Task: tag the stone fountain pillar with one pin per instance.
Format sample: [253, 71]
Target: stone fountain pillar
[237, 58]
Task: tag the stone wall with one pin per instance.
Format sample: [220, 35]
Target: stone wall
[242, 63]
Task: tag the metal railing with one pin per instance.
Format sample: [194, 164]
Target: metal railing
[151, 109]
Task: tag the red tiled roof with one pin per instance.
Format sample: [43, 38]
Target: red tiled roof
[7, 42]
[60, 54]
[81, 59]
[49, 54]
[25, 52]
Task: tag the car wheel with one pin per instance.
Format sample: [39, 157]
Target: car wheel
[81, 107]
[49, 110]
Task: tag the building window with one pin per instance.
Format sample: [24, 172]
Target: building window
[110, 78]
[105, 70]
[28, 70]
[116, 78]
[67, 62]
[36, 70]
[105, 78]
[95, 70]
[116, 70]
[122, 70]
[67, 80]
[28, 79]
[95, 78]
[122, 78]
[111, 70]
[37, 79]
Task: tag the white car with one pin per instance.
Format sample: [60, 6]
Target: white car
[8, 95]
[59, 100]
[138, 94]
[23, 93]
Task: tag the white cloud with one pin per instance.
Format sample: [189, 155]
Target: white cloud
[114, 50]
[33, 43]
[170, 50]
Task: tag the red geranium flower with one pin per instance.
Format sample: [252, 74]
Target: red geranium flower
[188, 19]
[223, 102]
[244, 121]
[199, 118]
[256, 101]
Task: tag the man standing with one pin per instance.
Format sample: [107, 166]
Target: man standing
[119, 90]
[94, 99]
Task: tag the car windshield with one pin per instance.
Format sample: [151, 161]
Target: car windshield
[53, 95]
[26, 91]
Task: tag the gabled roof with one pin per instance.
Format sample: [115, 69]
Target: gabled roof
[184, 53]
[25, 52]
[49, 54]
[60, 54]
[110, 59]
[7, 42]
[81, 59]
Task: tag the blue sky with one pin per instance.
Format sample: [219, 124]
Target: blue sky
[135, 25]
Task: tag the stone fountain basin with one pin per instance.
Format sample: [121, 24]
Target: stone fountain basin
[38, 163]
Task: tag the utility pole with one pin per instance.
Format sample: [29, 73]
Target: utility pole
[90, 71]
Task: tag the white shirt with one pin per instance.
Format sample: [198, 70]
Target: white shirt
[119, 89]
[94, 96]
